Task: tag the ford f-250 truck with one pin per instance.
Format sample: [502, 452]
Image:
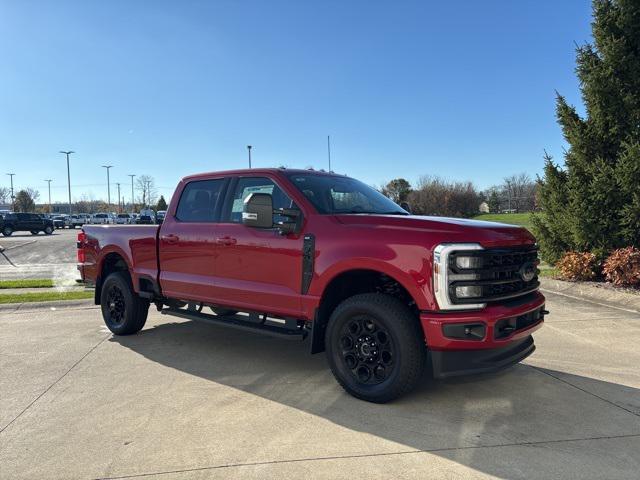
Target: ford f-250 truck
[299, 253]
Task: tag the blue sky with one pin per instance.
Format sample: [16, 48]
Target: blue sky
[460, 89]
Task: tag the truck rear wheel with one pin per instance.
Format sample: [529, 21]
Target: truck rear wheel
[7, 231]
[375, 347]
[48, 230]
[123, 311]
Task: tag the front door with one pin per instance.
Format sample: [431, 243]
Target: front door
[258, 269]
[187, 241]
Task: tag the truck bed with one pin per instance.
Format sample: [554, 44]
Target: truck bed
[138, 244]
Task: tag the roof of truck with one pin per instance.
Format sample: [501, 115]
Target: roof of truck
[258, 171]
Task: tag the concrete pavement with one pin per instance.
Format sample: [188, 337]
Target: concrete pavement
[183, 400]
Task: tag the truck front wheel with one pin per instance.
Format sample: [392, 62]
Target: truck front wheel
[123, 311]
[375, 347]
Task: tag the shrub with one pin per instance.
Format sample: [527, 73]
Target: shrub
[622, 267]
[577, 266]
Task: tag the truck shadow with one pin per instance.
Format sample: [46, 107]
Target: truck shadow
[449, 418]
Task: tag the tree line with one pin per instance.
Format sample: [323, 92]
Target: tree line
[433, 195]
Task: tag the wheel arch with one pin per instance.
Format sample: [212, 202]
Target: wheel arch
[111, 261]
[348, 283]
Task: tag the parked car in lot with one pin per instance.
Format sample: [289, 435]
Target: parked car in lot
[160, 216]
[25, 222]
[123, 219]
[59, 221]
[145, 220]
[324, 256]
[79, 220]
[100, 219]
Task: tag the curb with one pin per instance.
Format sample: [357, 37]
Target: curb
[593, 292]
[55, 305]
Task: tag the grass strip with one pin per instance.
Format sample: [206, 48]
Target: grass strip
[28, 283]
[522, 219]
[44, 296]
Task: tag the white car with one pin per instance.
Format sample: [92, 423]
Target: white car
[123, 219]
[100, 219]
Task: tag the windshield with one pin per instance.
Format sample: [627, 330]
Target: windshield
[340, 195]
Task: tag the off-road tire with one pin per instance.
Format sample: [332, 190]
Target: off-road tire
[7, 231]
[48, 230]
[123, 311]
[405, 347]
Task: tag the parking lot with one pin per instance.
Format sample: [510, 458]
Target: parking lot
[184, 400]
[40, 256]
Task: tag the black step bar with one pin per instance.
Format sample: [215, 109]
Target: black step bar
[239, 322]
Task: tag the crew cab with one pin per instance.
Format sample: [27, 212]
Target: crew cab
[308, 254]
[25, 222]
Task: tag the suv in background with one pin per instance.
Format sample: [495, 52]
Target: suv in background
[123, 219]
[145, 220]
[79, 220]
[25, 222]
[58, 221]
[160, 214]
[100, 219]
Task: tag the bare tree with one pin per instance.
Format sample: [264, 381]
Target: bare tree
[145, 184]
[5, 194]
[519, 191]
[436, 196]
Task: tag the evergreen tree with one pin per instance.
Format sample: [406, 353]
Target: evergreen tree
[162, 204]
[593, 203]
[397, 190]
[494, 201]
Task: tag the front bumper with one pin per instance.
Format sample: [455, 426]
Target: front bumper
[492, 319]
[466, 362]
[462, 343]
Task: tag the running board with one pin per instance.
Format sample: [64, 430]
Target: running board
[239, 323]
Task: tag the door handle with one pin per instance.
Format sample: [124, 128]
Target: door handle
[170, 239]
[226, 241]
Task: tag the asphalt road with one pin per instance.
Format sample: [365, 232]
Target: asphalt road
[40, 256]
[184, 400]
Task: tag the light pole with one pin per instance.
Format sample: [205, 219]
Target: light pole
[132, 202]
[68, 175]
[329, 150]
[49, 184]
[108, 167]
[249, 150]
[119, 210]
[13, 199]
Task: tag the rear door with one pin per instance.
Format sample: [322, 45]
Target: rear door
[257, 269]
[187, 241]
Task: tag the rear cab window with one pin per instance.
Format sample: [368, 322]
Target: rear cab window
[199, 201]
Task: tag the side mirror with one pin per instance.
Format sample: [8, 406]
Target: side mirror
[257, 211]
[406, 206]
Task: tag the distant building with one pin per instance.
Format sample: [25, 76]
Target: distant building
[484, 207]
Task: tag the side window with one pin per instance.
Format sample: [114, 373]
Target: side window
[249, 185]
[198, 201]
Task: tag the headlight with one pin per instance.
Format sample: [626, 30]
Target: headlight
[469, 291]
[466, 263]
[444, 276]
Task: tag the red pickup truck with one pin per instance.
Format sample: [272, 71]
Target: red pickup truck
[303, 253]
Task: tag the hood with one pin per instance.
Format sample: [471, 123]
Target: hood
[445, 229]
